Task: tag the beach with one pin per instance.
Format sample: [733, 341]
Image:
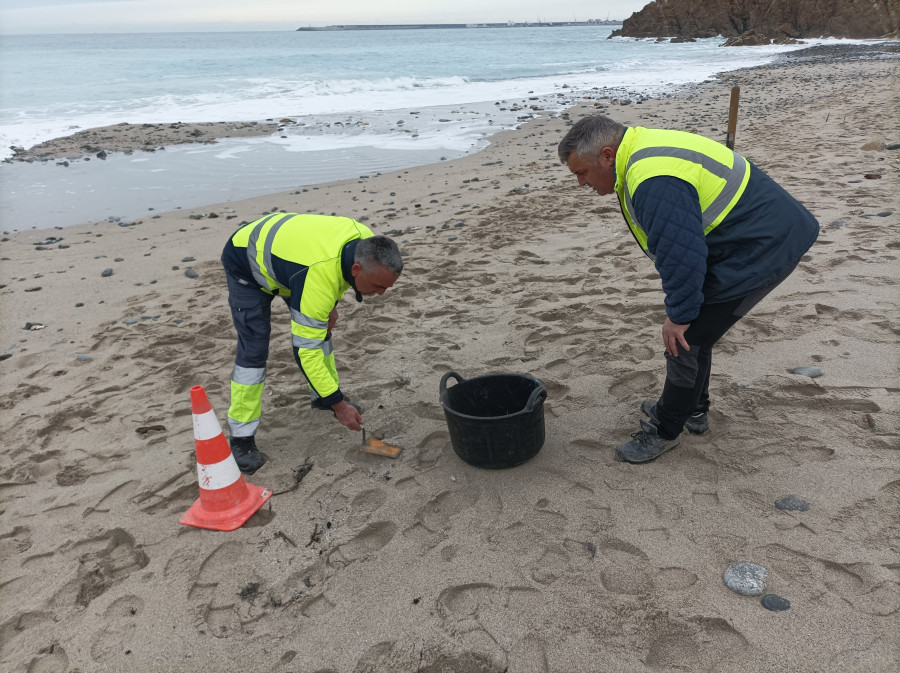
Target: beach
[571, 562]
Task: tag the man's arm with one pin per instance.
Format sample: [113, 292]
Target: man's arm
[312, 303]
[669, 212]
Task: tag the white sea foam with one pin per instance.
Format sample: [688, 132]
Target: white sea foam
[376, 100]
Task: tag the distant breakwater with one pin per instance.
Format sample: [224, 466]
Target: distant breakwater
[427, 26]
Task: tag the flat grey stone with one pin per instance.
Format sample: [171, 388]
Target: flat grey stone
[812, 372]
[775, 603]
[190, 273]
[746, 578]
[791, 503]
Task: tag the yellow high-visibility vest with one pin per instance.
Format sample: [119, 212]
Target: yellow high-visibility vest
[719, 174]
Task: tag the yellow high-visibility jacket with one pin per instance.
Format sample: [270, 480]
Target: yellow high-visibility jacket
[307, 259]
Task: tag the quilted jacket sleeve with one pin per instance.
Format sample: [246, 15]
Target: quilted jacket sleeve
[668, 209]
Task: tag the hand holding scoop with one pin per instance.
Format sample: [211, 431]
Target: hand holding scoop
[379, 448]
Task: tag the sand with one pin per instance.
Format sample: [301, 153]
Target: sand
[572, 562]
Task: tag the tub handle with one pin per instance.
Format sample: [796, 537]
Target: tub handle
[540, 391]
[443, 384]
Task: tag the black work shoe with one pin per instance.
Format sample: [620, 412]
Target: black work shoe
[696, 424]
[318, 404]
[646, 445]
[246, 455]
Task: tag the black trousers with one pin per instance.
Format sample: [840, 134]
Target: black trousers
[686, 390]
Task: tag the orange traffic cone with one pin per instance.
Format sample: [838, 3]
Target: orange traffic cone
[226, 501]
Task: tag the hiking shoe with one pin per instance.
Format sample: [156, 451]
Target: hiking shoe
[646, 445]
[318, 404]
[696, 424]
[246, 455]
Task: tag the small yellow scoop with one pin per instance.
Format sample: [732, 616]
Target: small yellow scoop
[379, 448]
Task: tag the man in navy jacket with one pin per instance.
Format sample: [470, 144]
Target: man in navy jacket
[721, 233]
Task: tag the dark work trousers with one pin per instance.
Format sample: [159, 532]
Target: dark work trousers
[251, 312]
[686, 390]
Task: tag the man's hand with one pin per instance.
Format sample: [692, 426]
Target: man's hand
[347, 415]
[673, 334]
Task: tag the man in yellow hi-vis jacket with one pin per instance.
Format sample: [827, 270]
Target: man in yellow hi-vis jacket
[310, 261]
[721, 233]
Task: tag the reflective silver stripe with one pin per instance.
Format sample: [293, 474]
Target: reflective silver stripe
[733, 182]
[251, 253]
[239, 429]
[248, 376]
[252, 248]
[306, 321]
[326, 346]
[733, 177]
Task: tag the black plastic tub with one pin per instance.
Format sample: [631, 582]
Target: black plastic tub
[495, 421]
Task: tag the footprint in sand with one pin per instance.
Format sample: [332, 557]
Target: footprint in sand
[628, 385]
[217, 599]
[16, 541]
[115, 638]
[102, 562]
[364, 505]
[437, 512]
[52, 659]
[871, 589]
[697, 644]
[489, 620]
[365, 544]
[629, 571]
[13, 632]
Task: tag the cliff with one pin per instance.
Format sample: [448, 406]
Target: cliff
[775, 19]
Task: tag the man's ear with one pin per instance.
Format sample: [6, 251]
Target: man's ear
[355, 269]
[608, 154]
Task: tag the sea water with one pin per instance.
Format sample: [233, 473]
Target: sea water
[361, 102]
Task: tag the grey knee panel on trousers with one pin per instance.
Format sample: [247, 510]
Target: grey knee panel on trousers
[682, 371]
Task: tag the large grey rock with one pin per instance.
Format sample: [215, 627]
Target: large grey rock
[746, 578]
[788, 18]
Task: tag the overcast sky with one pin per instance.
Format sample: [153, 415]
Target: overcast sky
[105, 16]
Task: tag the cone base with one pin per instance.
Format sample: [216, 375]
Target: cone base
[230, 519]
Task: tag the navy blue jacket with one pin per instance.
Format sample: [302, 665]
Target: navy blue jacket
[764, 236]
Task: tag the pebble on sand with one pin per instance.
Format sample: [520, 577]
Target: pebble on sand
[812, 372]
[746, 578]
[106, 273]
[791, 503]
[775, 603]
[190, 273]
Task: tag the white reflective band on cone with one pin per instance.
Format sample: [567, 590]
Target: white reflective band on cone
[206, 426]
[219, 475]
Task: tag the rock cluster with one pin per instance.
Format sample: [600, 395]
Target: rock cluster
[768, 21]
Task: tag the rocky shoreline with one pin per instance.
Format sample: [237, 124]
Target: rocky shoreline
[763, 20]
[128, 138]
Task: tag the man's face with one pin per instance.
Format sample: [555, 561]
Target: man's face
[599, 174]
[371, 282]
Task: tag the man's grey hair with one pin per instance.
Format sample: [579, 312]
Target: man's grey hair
[379, 251]
[590, 135]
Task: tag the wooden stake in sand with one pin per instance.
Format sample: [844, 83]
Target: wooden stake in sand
[732, 117]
